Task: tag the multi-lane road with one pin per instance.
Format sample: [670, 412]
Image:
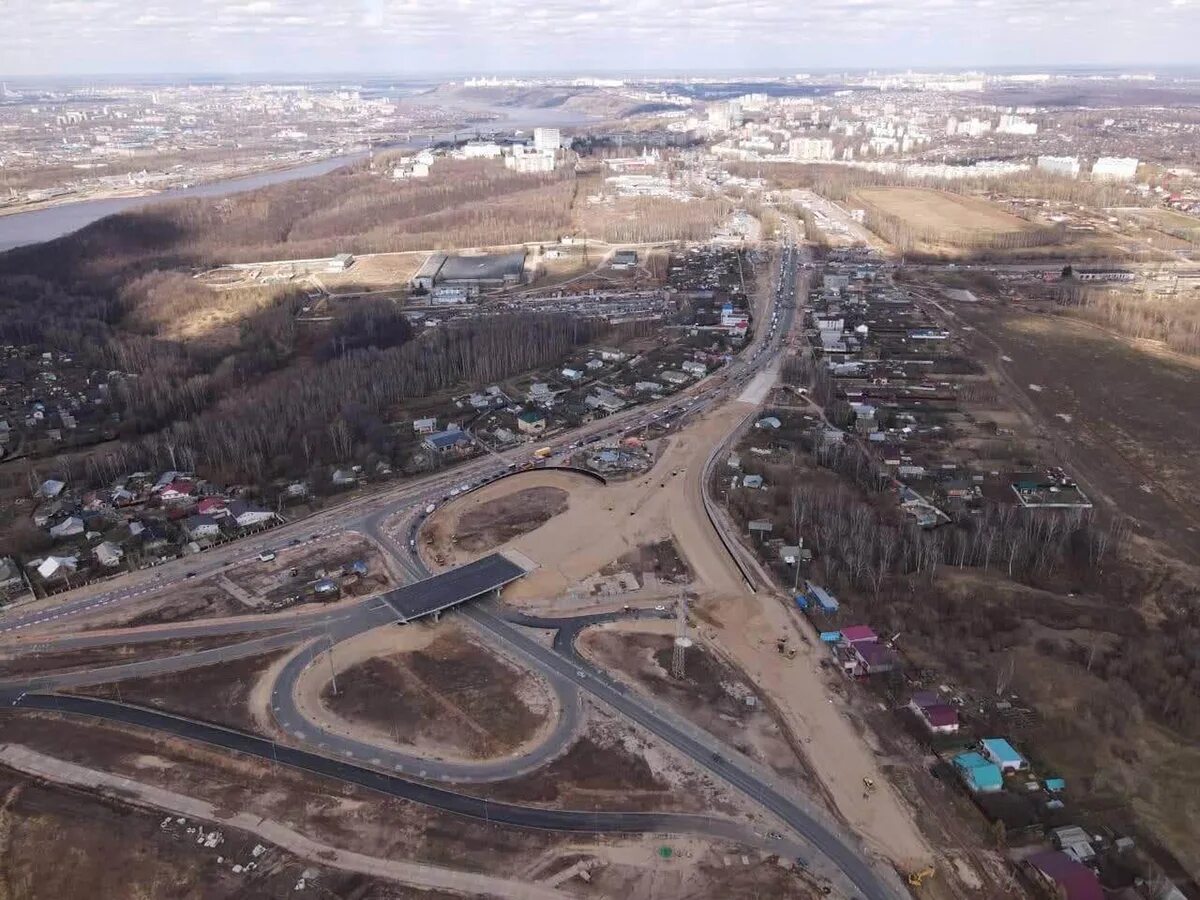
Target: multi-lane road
[569, 675]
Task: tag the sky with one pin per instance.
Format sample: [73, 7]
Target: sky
[420, 37]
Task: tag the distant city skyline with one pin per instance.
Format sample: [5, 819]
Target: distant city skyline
[406, 37]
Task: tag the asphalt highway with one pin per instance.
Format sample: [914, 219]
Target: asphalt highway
[288, 715]
[577, 821]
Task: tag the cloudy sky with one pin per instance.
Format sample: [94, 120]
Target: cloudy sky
[411, 37]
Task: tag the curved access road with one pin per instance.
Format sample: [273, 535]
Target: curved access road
[288, 715]
[575, 821]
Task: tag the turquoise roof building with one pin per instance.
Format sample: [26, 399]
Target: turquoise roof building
[980, 775]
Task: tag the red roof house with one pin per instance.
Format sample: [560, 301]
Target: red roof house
[852, 634]
[939, 717]
[1065, 877]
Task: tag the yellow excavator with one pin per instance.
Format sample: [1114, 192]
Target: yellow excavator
[916, 879]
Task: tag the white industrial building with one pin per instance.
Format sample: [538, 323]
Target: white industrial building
[481, 150]
[1067, 166]
[530, 160]
[1115, 168]
[547, 139]
[725, 116]
[810, 148]
[1016, 125]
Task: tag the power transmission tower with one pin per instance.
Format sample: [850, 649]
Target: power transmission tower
[682, 641]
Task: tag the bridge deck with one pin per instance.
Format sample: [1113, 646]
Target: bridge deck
[412, 601]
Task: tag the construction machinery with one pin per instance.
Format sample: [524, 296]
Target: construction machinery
[918, 878]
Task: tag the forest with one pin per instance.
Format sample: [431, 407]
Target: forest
[227, 382]
[1173, 319]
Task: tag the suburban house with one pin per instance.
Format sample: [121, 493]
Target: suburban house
[57, 567]
[937, 716]
[1064, 877]
[1004, 755]
[980, 776]
[200, 527]
[212, 506]
[68, 527]
[425, 426]
[603, 399]
[531, 422]
[697, 369]
[248, 516]
[675, 377]
[611, 354]
[177, 491]
[572, 374]
[446, 441]
[343, 477]
[109, 554]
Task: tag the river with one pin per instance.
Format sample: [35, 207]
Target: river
[35, 226]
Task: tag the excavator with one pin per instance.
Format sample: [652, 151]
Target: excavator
[918, 878]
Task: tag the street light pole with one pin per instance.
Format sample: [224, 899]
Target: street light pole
[332, 671]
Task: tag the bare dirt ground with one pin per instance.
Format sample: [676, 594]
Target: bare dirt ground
[662, 559]
[605, 522]
[442, 693]
[374, 271]
[498, 521]
[348, 818]
[327, 810]
[938, 211]
[180, 603]
[712, 694]
[104, 850]
[265, 581]
[1122, 435]
[219, 693]
[31, 662]
[243, 589]
[615, 766]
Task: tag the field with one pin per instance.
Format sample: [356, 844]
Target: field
[447, 695]
[500, 520]
[1121, 434]
[88, 658]
[104, 851]
[712, 693]
[222, 693]
[940, 216]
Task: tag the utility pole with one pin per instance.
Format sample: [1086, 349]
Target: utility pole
[682, 641]
[332, 671]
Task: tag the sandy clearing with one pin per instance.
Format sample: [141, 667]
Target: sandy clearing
[604, 522]
[839, 751]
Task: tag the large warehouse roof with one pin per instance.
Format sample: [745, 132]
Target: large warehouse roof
[489, 267]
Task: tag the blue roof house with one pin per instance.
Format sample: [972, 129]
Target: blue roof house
[1002, 753]
[981, 776]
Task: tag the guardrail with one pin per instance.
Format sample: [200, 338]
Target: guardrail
[709, 508]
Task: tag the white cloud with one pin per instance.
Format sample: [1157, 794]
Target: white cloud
[408, 36]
